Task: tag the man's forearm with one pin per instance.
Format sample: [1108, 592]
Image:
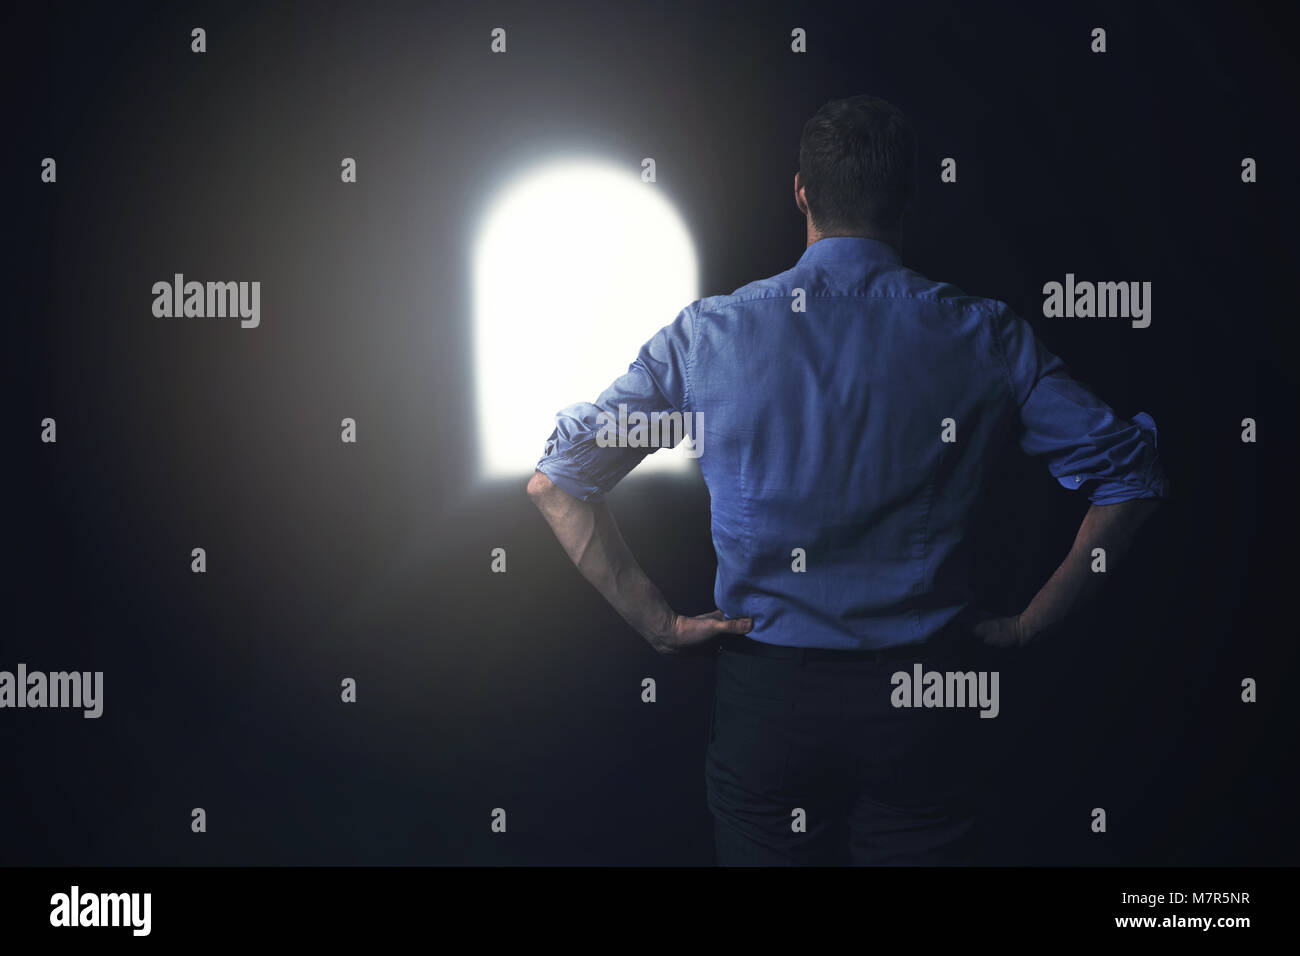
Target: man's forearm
[1110, 527]
[590, 537]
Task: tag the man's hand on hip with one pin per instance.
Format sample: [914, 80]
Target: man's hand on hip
[992, 630]
[1002, 632]
[699, 635]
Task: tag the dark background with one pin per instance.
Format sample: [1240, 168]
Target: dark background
[522, 690]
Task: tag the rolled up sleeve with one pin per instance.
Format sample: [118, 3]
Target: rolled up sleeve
[1087, 447]
[582, 462]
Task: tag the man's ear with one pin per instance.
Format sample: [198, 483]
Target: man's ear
[799, 199]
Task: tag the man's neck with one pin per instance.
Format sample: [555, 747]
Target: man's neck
[887, 238]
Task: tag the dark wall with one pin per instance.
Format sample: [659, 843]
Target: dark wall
[521, 690]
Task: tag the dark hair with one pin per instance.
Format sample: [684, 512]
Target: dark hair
[857, 164]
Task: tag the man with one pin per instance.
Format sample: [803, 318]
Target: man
[851, 413]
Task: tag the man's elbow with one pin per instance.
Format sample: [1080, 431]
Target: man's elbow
[540, 488]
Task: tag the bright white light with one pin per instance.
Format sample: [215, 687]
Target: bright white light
[578, 264]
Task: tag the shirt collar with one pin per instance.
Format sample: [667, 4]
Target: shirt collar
[856, 248]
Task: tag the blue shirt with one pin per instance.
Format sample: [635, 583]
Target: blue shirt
[854, 438]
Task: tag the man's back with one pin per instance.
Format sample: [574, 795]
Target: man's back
[824, 431]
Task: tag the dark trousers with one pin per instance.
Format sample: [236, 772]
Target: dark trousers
[817, 733]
